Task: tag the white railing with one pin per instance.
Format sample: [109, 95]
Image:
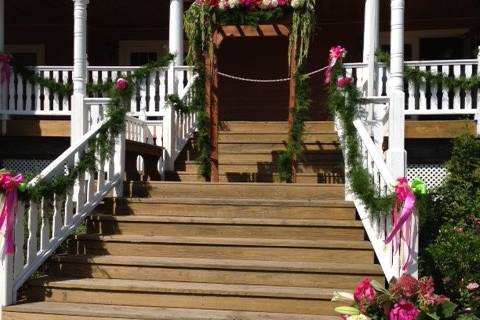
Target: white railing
[21, 97]
[425, 98]
[372, 129]
[52, 219]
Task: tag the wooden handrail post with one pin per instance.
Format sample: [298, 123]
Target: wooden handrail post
[291, 104]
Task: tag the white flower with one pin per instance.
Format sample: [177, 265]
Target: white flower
[222, 4]
[265, 4]
[297, 3]
[358, 317]
[274, 3]
[233, 3]
[343, 296]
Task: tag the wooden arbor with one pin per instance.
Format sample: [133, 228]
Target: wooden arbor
[222, 33]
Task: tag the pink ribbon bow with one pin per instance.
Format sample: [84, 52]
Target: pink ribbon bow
[5, 68]
[335, 54]
[7, 220]
[405, 198]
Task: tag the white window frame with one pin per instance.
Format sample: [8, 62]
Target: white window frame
[413, 38]
[126, 48]
[37, 48]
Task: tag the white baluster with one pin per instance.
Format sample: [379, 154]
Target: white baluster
[32, 242]
[423, 92]
[434, 90]
[65, 99]
[19, 238]
[445, 69]
[162, 92]
[67, 220]
[20, 95]
[101, 175]
[57, 216]
[90, 186]
[45, 227]
[56, 96]
[411, 96]
[47, 102]
[150, 107]
[28, 97]
[468, 93]
[457, 98]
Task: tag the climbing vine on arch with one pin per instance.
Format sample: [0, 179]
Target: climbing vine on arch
[201, 20]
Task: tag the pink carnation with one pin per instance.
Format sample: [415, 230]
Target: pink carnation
[404, 310]
[121, 84]
[364, 292]
[407, 286]
[343, 82]
[473, 286]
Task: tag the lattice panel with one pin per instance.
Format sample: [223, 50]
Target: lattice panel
[25, 166]
[432, 174]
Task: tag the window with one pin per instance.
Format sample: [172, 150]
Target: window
[137, 53]
[27, 54]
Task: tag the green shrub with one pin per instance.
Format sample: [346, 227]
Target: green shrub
[450, 227]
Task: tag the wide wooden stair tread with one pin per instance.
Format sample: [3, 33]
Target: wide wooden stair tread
[228, 264]
[82, 311]
[258, 242]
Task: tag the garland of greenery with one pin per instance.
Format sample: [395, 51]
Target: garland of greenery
[344, 103]
[102, 144]
[200, 20]
[438, 78]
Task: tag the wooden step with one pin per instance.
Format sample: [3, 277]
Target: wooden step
[89, 311]
[194, 176]
[235, 157]
[256, 146]
[251, 272]
[237, 190]
[275, 126]
[346, 251]
[222, 207]
[186, 295]
[273, 137]
[302, 229]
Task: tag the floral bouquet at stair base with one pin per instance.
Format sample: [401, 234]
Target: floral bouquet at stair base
[406, 299]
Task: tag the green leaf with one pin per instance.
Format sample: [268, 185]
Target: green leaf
[446, 309]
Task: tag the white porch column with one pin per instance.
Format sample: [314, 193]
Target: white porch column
[175, 33]
[175, 45]
[79, 121]
[371, 41]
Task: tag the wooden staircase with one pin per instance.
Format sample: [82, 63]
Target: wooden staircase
[248, 152]
[198, 251]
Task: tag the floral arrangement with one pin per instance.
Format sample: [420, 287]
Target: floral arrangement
[252, 4]
[406, 299]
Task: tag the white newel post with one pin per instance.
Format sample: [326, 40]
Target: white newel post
[175, 44]
[79, 119]
[396, 154]
[6, 275]
[3, 88]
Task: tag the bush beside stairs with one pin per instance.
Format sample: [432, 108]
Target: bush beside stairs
[197, 251]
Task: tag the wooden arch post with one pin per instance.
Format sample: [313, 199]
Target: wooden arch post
[220, 34]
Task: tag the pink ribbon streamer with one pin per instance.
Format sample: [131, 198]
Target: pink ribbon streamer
[405, 198]
[5, 68]
[335, 54]
[7, 216]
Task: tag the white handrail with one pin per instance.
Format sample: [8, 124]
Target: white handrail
[59, 214]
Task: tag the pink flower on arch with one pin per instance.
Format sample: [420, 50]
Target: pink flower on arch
[364, 292]
[335, 54]
[404, 310]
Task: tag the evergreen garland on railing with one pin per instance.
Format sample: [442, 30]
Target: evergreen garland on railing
[438, 78]
[200, 20]
[103, 143]
[344, 103]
